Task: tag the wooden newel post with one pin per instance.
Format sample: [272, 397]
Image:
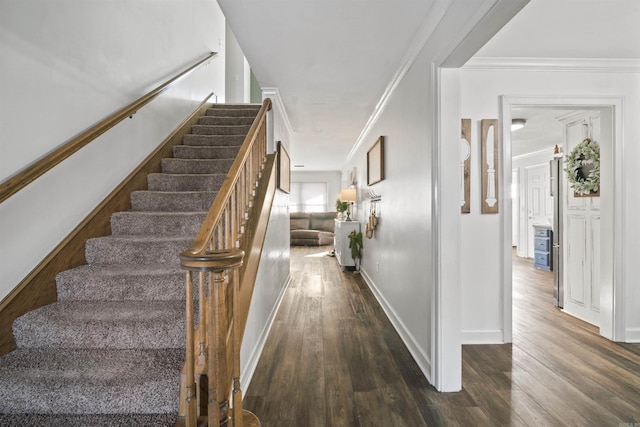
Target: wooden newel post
[216, 356]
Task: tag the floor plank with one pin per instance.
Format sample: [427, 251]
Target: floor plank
[333, 359]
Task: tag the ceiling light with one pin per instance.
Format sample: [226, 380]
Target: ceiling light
[517, 124]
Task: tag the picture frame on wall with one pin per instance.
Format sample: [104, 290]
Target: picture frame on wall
[283, 169]
[375, 162]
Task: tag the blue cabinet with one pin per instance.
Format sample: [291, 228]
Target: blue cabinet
[542, 247]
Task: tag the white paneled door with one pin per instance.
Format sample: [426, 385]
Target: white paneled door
[581, 234]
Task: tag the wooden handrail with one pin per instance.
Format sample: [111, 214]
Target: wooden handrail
[218, 255]
[17, 182]
[213, 218]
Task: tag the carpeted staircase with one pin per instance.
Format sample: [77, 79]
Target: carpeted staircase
[110, 351]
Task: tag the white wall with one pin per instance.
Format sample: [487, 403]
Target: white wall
[66, 64]
[274, 271]
[481, 261]
[236, 86]
[271, 282]
[398, 262]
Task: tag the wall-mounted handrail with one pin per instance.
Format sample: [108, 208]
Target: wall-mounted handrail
[17, 182]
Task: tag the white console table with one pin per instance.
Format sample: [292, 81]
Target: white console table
[341, 241]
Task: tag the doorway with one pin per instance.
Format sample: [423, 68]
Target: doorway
[605, 291]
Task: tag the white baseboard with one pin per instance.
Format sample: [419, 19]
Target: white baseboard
[632, 335]
[252, 363]
[423, 360]
[483, 337]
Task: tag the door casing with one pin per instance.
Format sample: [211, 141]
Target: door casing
[612, 304]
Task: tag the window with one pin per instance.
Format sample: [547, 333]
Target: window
[308, 197]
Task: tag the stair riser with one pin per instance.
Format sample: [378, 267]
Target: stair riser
[213, 140]
[219, 130]
[196, 166]
[90, 382]
[225, 121]
[170, 182]
[106, 250]
[121, 288]
[171, 202]
[254, 107]
[156, 224]
[191, 152]
[227, 112]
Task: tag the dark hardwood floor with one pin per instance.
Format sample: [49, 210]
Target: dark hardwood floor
[333, 359]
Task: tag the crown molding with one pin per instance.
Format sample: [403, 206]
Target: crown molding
[429, 25]
[555, 64]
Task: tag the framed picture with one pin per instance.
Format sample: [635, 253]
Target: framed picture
[283, 169]
[375, 162]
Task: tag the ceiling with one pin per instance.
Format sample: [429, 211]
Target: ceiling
[542, 131]
[332, 60]
[614, 33]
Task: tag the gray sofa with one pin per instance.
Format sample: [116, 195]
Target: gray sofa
[312, 229]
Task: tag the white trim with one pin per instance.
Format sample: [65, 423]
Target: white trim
[555, 64]
[612, 322]
[446, 227]
[489, 18]
[632, 335]
[437, 319]
[418, 353]
[482, 337]
[252, 362]
[505, 217]
[429, 25]
[274, 94]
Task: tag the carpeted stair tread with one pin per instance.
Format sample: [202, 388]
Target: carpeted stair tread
[136, 249]
[157, 282]
[196, 166]
[156, 223]
[220, 130]
[172, 201]
[205, 152]
[213, 140]
[86, 420]
[225, 121]
[68, 381]
[185, 182]
[102, 324]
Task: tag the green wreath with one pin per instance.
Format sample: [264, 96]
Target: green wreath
[583, 167]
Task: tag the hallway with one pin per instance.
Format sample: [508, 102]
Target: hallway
[333, 359]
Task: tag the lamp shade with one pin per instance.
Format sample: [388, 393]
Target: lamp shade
[348, 195]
